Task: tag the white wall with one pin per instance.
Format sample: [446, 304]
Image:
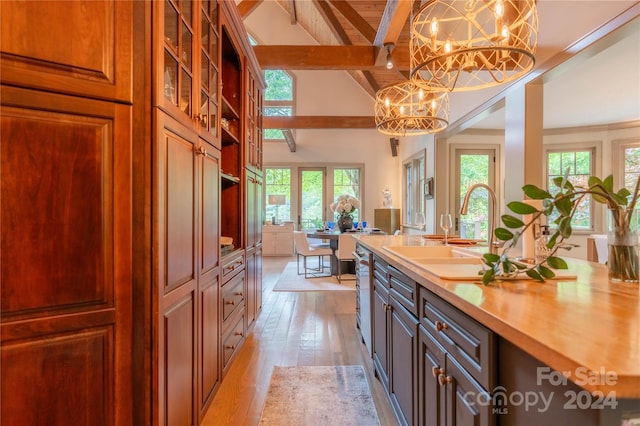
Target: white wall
[314, 90]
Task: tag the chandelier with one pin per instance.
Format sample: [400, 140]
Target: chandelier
[472, 44]
[406, 109]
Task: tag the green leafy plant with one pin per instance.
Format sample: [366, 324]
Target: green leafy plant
[564, 203]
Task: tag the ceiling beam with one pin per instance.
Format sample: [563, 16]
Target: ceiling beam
[288, 137]
[349, 58]
[293, 18]
[334, 25]
[245, 7]
[354, 18]
[395, 16]
[319, 122]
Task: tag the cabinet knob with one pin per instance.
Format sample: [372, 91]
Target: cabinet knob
[436, 371]
[443, 380]
[441, 326]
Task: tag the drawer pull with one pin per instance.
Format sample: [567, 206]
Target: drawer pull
[239, 333]
[441, 326]
[231, 302]
[239, 293]
[443, 380]
[232, 347]
[436, 371]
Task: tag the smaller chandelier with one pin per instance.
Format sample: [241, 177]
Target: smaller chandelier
[472, 44]
[406, 109]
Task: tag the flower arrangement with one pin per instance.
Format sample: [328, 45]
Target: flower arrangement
[623, 249]
[345, 205]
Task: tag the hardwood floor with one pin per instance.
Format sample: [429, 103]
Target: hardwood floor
[294, 328]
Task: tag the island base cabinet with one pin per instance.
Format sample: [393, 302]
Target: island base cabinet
[547, 395]
[447, 394]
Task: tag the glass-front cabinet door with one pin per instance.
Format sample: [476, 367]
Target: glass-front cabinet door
[189, 63]
[209, 69]
[178, 56]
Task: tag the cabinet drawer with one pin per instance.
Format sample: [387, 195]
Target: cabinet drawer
[469, 342]
[232, 295]
[381, 270]
[404, 289]
[233, 266]
[233, 339]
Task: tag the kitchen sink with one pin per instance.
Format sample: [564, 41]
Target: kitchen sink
[435, 254]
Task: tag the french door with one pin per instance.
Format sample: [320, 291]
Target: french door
[311, 197]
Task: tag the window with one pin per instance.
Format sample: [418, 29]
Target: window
[630, 167]
[578, 166]
[278, 182]
[414, 187]
[278, 99]
[346, 181]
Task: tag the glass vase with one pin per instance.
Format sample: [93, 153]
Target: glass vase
[623, 262]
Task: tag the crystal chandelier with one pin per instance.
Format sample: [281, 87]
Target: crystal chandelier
[406, 109]
[472, 44]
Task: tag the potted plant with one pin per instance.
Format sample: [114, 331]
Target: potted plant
[622, 238]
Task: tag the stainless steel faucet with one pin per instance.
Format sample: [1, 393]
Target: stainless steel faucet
[493, 246]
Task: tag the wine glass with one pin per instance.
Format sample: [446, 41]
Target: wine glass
[420, 221]
[446, 222]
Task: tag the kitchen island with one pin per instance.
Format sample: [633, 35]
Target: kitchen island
[566, 350]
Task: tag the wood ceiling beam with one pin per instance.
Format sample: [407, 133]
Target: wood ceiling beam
[319, 122]
[395, 16]
[245, 7]
[288, 137]
[349, 58]
[354, 18]
[293, 17]
[339, 32]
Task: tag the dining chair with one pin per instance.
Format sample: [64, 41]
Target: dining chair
[344, 253]
[304, 250]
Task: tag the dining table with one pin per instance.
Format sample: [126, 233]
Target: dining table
[332, 237]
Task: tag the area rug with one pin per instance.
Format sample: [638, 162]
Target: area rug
[325, 395]
[290, 281]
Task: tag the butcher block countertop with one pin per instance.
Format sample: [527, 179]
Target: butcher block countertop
[588, 327]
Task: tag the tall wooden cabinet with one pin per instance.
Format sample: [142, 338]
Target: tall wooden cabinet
[66, 285]
[131, 143]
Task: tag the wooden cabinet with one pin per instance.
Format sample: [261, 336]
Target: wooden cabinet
[277, 240]
[387, 220]
[395, 340]
[115, 169]
[66, 152]
[66, 270]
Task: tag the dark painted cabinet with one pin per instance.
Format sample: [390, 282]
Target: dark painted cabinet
[395, 339]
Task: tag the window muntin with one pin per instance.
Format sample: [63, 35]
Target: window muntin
[578, 166]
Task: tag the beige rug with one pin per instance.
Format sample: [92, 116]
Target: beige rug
[332, 395]
[290, 281]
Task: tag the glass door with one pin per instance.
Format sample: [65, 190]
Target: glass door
[474, 166]
[311, 204]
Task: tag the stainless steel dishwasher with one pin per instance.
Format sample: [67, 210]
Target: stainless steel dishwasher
[364, 260]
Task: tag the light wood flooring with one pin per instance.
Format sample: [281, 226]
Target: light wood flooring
[294, 328]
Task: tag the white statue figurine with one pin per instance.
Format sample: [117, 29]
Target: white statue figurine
[387, 202]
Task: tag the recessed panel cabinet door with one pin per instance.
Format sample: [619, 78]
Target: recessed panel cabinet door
[80, 47]
[66, 281]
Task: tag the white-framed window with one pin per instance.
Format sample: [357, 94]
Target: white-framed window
[278, 99]
[413, 177]
[626, 166]
[578, 163]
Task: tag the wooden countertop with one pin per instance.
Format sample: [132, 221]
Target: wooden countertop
[588, 328]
